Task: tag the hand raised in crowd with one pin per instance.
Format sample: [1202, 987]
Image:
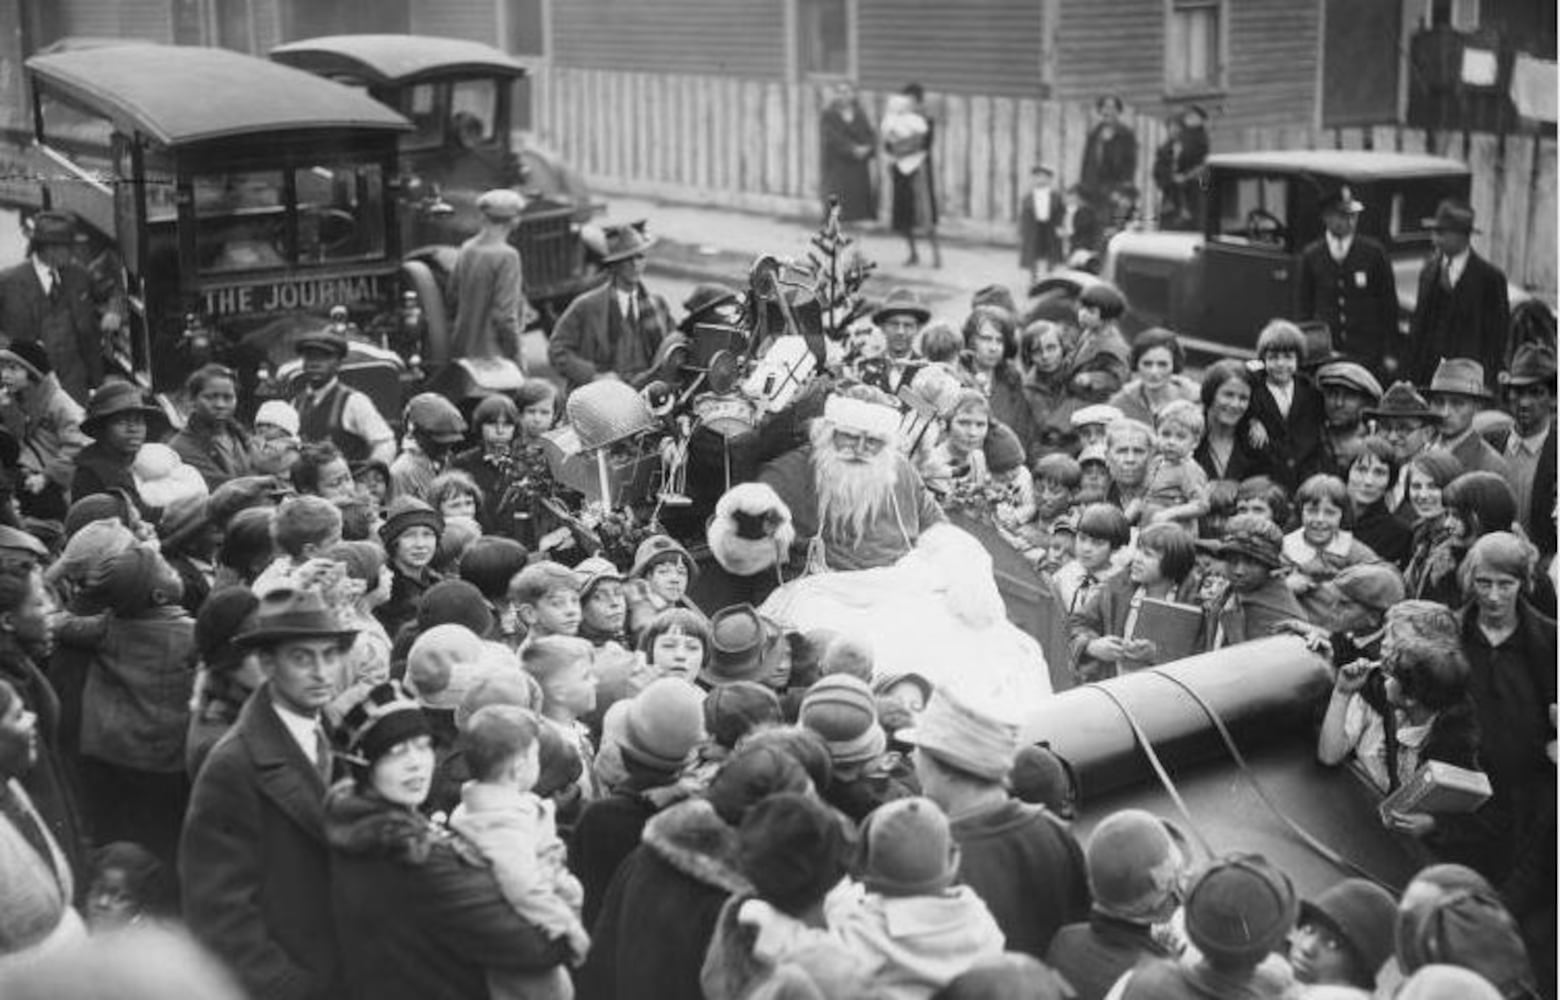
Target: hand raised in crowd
[1351, 677]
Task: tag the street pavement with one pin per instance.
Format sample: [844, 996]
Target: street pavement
[710, 244]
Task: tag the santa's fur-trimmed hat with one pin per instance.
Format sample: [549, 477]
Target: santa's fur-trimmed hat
[751, 530]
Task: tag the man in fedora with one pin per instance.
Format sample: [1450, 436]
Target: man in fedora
[900, 317]
[1456, 394]
[488, 285]
[614, 330]
[746, 646]
[1407, 423]
[329, 410]
[1019, 858]
[1462, 310]
[1346, 282]
[1528, 446]
[48, 298]
[253, 858]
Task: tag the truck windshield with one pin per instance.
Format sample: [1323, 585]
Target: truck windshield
[254, 220]
[467, 110]
[1253, 211]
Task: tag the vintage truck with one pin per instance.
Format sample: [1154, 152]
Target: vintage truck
[460, 99]
[1217, 288]
[232, 219]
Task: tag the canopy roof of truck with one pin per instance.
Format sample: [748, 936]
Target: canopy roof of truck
[380, 60]
[1356, 165]
[179, 95]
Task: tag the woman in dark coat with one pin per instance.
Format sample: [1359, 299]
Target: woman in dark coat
[849, 142]
[990, 353]
[662, 907]
[418, 909]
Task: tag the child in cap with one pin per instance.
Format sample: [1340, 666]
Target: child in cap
[275, 444]
[1094, 479]
[563, 666]
[411, 538]
[1286, 406]
[303, 527]
[546, 596]
[1090, 422]
[135, 708]
[1059, 544]
[658, 580]
[1257, 599]
[916, 927]
[1175, 486]
[1102, 534]
[514, 829]
[842, 709]
[603, 604]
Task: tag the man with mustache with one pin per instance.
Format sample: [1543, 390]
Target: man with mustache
[849, 500]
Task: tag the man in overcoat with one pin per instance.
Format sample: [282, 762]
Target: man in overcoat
[615, 329]
[1463, 310]
[49, 298]
[253, 859]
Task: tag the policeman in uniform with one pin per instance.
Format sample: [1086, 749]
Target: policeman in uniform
[1346, 282]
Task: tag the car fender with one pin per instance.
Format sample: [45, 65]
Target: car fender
[420, 277]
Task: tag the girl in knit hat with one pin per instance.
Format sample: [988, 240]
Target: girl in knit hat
[514, 829]
[411, 538]
[918, 929]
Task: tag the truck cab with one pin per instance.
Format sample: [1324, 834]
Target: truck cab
[459, 97]
[250, 211]
[1218, 288]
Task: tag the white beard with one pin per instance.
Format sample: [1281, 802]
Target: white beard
[851, 495]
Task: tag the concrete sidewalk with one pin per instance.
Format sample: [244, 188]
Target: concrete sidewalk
[715, 244]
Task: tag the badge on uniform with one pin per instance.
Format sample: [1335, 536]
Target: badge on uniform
[1359, 279]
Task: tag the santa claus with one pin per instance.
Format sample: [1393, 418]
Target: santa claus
[865, 550]
[849, 500]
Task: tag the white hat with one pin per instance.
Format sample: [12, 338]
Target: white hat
[501, 204]
[861, 415]
[161, 477]
[278, 414]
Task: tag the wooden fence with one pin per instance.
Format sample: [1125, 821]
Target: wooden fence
[753, 144]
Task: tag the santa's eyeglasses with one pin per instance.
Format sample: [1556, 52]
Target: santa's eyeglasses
[861, 444]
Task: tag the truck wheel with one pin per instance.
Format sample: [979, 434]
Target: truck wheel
[419, 277]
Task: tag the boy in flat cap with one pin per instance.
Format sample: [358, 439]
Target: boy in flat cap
[488, 285]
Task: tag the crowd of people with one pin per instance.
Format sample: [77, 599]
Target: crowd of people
[342, 700]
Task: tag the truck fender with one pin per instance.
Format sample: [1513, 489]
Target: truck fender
[419, 277]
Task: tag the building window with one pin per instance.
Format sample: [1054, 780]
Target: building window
[1194, 46]
[525, 28]
[1459, 15]
[823, 38]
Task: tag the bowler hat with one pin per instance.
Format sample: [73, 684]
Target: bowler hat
[902, 302]
[287, 615]
[703, 299]
[1532, 364]
[1341, 199]
[56, 229]
[1404, 401]
[436, 416]
[625, 241]
[1453, 216]
[1458, 377]
[112, 399]
[963, 737]
[740, 640]
[323, 339]
[1361, 914]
